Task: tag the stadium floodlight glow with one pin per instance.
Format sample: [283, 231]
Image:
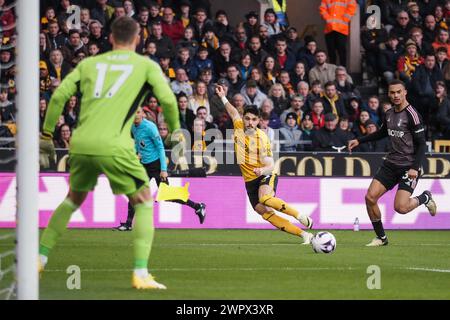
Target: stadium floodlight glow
[27, 100]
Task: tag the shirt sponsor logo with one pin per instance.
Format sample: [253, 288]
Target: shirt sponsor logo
[396, 133]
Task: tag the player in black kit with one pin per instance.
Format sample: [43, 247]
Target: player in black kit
[402, 166]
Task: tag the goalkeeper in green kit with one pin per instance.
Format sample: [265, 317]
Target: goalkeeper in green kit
[113, 85]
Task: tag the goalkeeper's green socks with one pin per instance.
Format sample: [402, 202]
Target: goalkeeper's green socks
[56, 227]
[143, 232]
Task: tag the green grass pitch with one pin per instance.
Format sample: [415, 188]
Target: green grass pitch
[251, 264]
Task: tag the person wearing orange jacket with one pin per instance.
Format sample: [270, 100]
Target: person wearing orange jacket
[337, 15]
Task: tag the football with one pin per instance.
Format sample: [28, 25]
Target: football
[323, 242]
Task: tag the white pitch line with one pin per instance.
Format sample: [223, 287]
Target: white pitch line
[429, 270]
[215, 269]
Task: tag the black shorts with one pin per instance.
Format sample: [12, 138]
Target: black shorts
[253, 187]
[390, 175]
[153, 171]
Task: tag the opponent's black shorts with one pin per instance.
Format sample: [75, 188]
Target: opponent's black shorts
[390, 175]
[253, 187]
[154, 170]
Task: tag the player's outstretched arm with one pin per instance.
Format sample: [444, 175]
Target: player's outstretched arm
[66, 89]
[231, 110]
[165, 96]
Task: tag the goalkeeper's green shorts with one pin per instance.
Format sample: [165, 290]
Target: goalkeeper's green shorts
[126, 175]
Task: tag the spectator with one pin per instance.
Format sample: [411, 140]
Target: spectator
[271, 23]
[332, 101]
[224, 31]
[42, 112]
[290, 134]
[245, 66]
[222, 59]
[442, 41]
[297, 103]
[285, 59]
[423, 84]
[440, 113]
[172, 28]
[371, 40]
[252, 95]
[189, 42]
[264, 36]
[330, 137]
[414, 13]
[278, 97]
[375, 112]
[163, 43]
[317, 114]
[206, 77]
[200, 99]
[56, 39]
[128, 5]
[234, 78]
[307, 54]
[165, 136]
[264, 126]
[7, 108]
[423, 47]
[408, 63]
[49, 15]
[184, 61]
[71, 112]
[198, 135]
[143, 19]
[303, 90]
[58, 68]
[373, 146]
[307, 133]
[299, 74]
[343, 85]
[73, 47]
[429, 29]
[181, 83]
[354, 109]
[344, 124]
[63, 140]
[44, 78]
[240, 38]
[263, 84]
[388, 58]
[271, 69]
[93, 49]
[185, 12]
[322, 71]
[239, 103]
[274, 119]
[251, 24]
[359, 127]
[441, 59]
[187, 116]
[97, 36]
[150, 51]
[210, 40]
[102, 12]
[203, 114]
[402, 26]
[44, 46]
[293, 41]
[256, 52]
[337, 16]
[199, 22]
[285, 80]
[202, 61]
[85, 20]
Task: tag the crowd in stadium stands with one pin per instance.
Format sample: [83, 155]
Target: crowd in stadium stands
[314, 103]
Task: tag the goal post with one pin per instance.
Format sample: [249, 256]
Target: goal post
[27, 151]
